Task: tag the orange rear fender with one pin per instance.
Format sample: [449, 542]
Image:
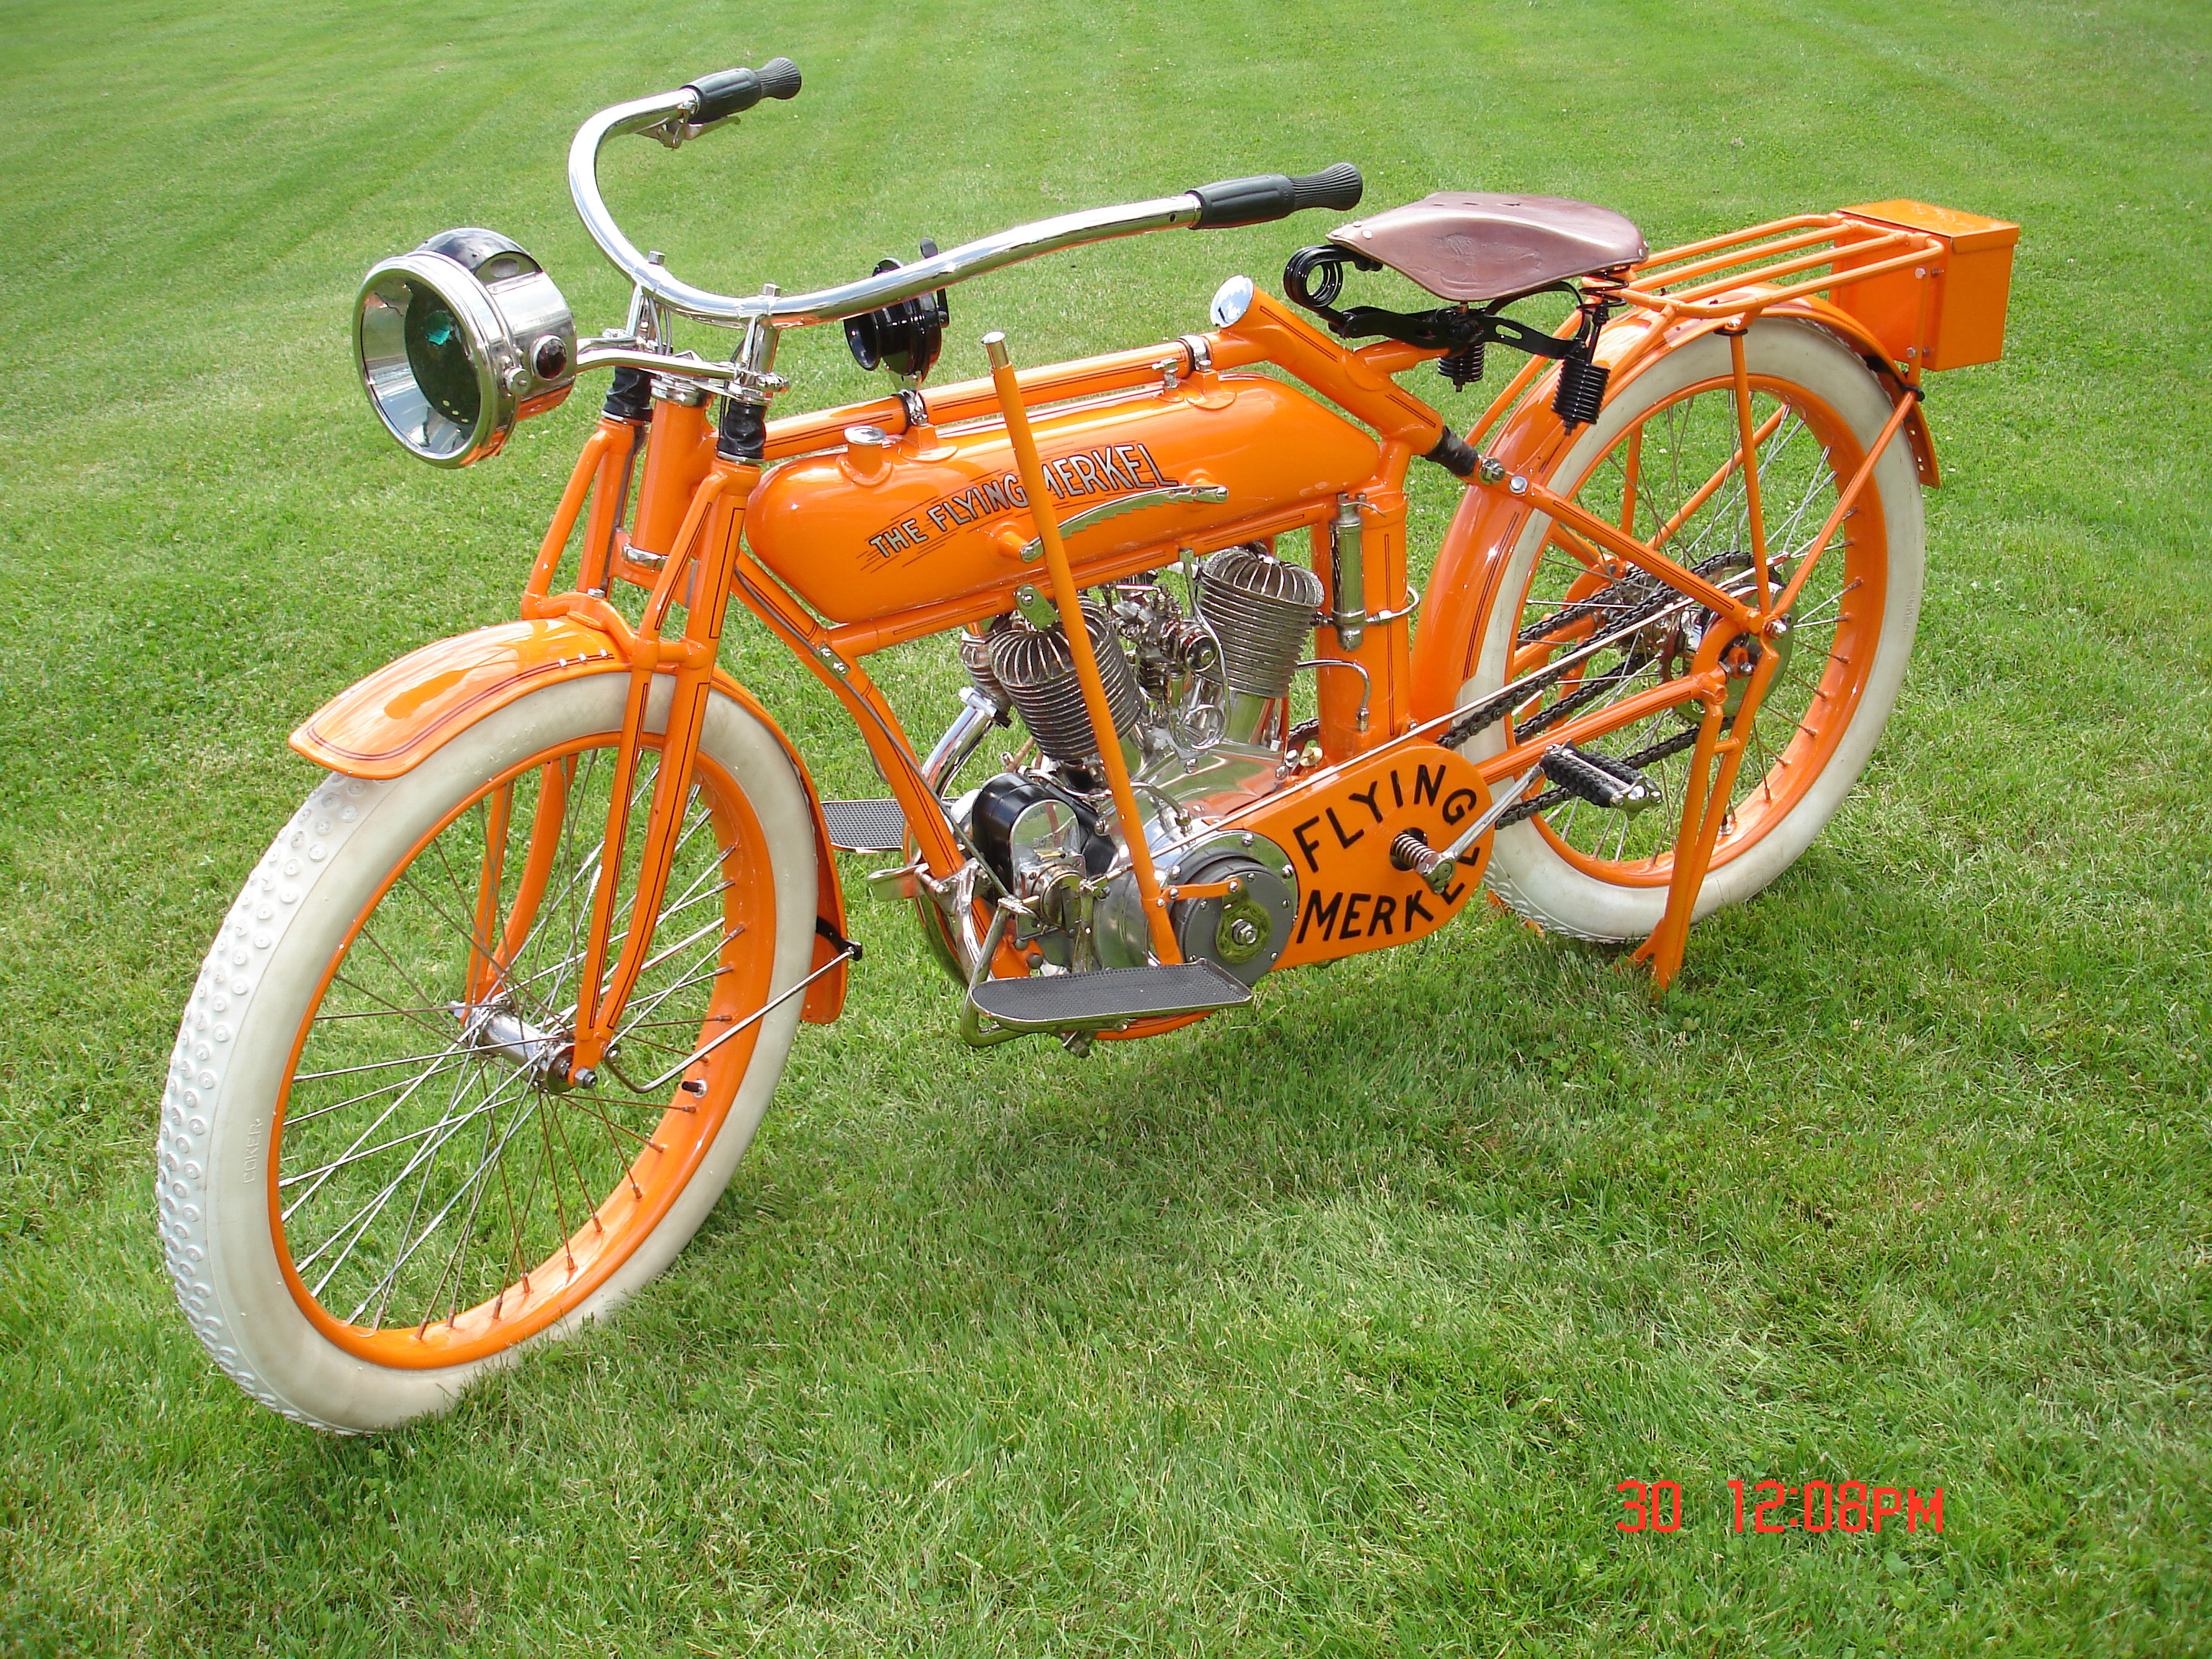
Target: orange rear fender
[391, 721]
[1486, 527]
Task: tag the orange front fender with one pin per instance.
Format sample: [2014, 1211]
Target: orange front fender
[389, 723]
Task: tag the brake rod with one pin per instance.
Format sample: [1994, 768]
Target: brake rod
[1069, 600]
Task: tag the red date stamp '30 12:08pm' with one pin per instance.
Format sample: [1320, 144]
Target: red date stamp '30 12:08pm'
[1816, 1506]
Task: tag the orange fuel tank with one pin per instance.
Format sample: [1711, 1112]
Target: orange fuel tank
[879, 527]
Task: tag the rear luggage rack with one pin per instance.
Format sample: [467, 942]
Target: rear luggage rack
[1929, 283]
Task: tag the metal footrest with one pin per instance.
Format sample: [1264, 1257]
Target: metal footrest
[865, 826]
[1600, 779]
[1113, 996]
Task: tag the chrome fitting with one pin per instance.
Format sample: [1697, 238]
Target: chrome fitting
[668, 389]
[1347, 587]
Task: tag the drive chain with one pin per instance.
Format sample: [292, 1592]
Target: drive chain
[1640, 598]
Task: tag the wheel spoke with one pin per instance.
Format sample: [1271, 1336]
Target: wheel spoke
[292, 1119]
[698, 978]
[374, 1065]
[414, 1214]
[369, 936]
[375, 1123]
[365, 1152]
[357, 1225]
[386, 1010]
[514, 1129]
[456, 1264]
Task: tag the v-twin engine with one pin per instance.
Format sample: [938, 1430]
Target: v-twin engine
[1199, 690]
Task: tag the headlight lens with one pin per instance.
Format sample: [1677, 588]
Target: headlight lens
[458, 341]
[438, 357]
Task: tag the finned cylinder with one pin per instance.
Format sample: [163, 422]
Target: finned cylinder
[1261, 609]
[1037, 670]
[975, 658]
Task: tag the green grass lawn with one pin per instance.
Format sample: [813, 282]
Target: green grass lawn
[1327, 1327]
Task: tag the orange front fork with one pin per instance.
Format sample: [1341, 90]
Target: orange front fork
[718, 510]
[697, 499]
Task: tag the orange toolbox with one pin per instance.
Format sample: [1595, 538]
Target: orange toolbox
[1947, 313]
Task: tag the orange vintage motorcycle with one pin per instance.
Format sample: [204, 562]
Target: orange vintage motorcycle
[498, 1012]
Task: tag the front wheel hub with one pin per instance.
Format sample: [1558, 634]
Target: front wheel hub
[495, 1030]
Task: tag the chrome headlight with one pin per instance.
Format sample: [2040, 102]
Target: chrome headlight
[458, 341]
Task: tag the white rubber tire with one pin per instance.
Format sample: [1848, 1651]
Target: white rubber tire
[236, 1040]
[1526, 870]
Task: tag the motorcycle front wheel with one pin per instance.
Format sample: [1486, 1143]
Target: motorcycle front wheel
[373, 1185]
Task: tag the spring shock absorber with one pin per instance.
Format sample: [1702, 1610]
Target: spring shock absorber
[1463, 368]
[1581, 377]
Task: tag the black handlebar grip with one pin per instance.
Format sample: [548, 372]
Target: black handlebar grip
[733, 91]
[1338, 188]
[1270, 196]
[778, 78]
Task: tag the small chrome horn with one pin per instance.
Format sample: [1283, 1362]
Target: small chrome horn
[458, 341]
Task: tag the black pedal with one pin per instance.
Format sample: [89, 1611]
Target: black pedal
[1599, 779]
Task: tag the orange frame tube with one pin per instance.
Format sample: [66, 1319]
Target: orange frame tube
[1069, 600]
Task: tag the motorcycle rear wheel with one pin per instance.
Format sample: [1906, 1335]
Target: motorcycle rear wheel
[371, 1189]
[1575, 870]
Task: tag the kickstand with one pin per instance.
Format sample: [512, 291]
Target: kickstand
[1721, 738]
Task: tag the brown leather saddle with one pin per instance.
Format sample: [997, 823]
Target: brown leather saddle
[1473, 245]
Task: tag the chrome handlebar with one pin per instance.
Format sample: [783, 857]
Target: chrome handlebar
[668, 115]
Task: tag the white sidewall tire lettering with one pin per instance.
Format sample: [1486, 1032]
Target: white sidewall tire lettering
[1526, 870]
[277, 940]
